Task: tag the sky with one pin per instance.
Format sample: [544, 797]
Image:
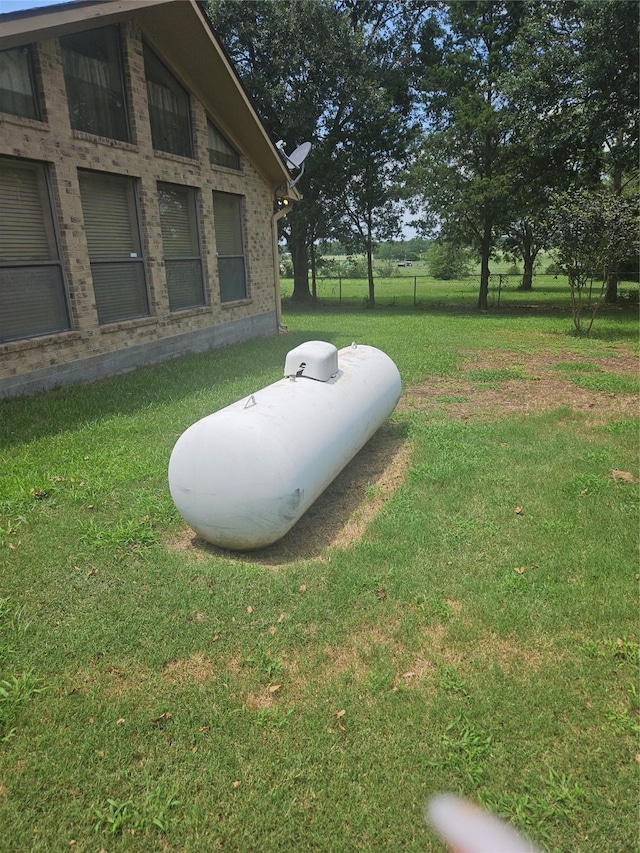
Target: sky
[18, 5]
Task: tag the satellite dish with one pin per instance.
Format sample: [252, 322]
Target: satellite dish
[296, 159]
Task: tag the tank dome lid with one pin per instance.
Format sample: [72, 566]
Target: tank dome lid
[312, 360]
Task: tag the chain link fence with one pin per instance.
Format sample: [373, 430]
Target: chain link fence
[415, 290]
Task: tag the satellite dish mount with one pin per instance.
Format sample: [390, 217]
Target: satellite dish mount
[295, 160]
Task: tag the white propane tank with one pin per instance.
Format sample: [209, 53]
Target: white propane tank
[242, 476]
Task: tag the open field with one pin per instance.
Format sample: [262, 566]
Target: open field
[415, 287]
[458, 612]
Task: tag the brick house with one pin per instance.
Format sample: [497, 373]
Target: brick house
[139, 193]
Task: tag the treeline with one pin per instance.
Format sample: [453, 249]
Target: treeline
[413, 249]
[509, 126]
[444, 260]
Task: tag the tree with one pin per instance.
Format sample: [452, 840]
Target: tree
[447, 261]
[535, 176]
[467, 165]
[283, 53]
[523, 242]
[367, 209]
[402, 250]
[534, 179]
[307, 63]
[576, 83]
[590, 233]
[610, 64]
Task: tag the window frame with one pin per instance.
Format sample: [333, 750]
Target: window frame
[135, 258]
[195, 234]
[212, 127]
[150, 54]
[29, 51]
[240, 199]
[119, 72]
[51, 233]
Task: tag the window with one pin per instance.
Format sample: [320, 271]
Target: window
[179, 223]
[17, 89]
[111, 225]
[227, 214]
[93, 77]
[32, 294]
[168, 108]
[221, 152]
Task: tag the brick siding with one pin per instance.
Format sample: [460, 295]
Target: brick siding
[53, 142]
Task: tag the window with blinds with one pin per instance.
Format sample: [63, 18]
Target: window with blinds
[221, 151]
[95, 83]
[227, 215]
[169, 113]
[182, 259]
[32, 294]
[17, 84]
[115, 253]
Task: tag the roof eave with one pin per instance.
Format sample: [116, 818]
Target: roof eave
[198, 57]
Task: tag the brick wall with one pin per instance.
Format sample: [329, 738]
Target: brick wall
[90, 350]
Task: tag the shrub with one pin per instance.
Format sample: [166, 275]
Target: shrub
[446, 261]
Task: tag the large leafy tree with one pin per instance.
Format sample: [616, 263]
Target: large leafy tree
[525, 100]
[575, 88]
[283, 53]
[310, 66]
[609, 65]
[468, 164]
[367, 162]
[534, 178]
[371, 146]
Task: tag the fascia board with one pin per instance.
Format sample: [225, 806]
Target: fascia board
[197, 57]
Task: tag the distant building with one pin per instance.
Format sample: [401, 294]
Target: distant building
[138, 193]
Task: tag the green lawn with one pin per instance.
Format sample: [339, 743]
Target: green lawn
[415, 286]
[478, 635]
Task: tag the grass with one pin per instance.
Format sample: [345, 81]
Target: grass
[415, 286]
[593, 377]
[181, 699]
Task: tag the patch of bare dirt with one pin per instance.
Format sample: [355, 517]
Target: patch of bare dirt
[349, 656]
[340, 515]
[541, 389]
[509, 654]
[352, 657]
[198, 668]
[415, 667]
[260, 701]
[113, 682]
[624, 476]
